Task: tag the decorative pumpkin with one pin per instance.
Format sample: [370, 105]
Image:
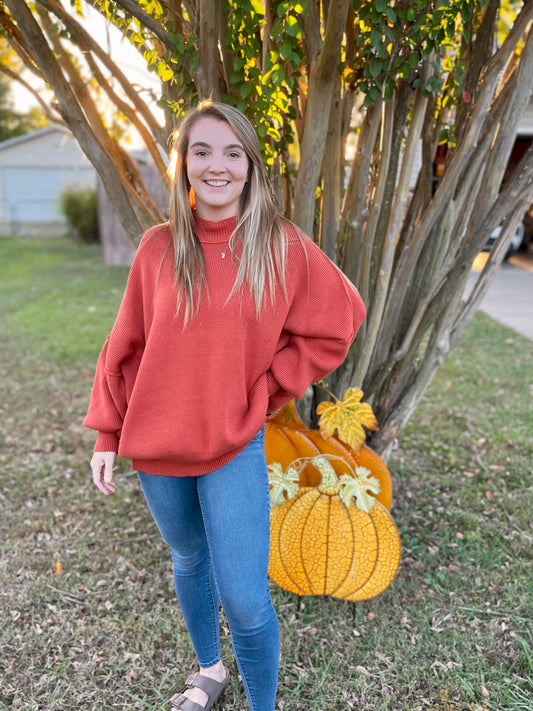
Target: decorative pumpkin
[333, 539]
[287, 438]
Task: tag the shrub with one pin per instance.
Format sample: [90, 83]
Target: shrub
[79, 205]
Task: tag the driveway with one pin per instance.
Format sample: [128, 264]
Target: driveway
[509, 297]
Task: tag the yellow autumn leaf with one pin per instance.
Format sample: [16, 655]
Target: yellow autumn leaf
[346, 418]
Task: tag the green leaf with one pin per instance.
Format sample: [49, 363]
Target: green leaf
[375, 37]
[246, 89]
[285, 50]
[293, 28]
[389, 33]
[282, 9]
[390, 14]
[413, 60]
[376, 67]
[249, 51]
[388, 92]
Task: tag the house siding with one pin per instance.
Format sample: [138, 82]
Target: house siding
[34, 170]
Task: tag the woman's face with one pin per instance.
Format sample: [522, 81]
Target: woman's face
[217, 169]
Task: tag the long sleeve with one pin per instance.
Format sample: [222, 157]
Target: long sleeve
[117, 366]
[325, 314]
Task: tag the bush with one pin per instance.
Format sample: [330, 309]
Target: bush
[79, 206]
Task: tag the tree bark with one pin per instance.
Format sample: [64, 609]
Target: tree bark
[321, 87]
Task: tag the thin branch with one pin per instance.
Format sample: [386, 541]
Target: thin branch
[15, 77]
[145, 20]
[130, 113]
[373, 296]
[354, 211]
[86, 39]
[208, 70]
[331, 180]
[321, 87]
[18, 42]
[513, 202]
[312, 35]
[177, 14]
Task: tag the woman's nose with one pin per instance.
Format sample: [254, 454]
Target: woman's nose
[216, 164]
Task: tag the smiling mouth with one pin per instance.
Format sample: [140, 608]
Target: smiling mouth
[217, 183]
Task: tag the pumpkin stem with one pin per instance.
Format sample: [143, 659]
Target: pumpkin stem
[329, 483]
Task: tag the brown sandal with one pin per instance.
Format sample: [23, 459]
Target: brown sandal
[214, 690]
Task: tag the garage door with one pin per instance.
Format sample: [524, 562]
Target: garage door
[32, 194]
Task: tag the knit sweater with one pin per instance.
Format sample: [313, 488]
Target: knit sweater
[184, 400]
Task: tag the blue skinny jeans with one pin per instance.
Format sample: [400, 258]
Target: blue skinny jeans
[218, 529]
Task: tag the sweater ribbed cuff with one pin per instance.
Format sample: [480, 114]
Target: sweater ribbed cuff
[106, 442]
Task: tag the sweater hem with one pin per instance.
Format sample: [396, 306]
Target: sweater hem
[175, 467]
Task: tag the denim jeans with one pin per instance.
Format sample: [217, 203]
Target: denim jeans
[218, 529]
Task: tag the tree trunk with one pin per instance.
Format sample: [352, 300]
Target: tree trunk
[320, 91]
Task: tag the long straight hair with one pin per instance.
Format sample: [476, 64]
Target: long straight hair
[260, 229]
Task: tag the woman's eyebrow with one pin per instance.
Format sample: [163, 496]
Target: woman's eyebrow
[206, 145]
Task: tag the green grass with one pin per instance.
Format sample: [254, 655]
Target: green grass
[89, 618]
[58, 296]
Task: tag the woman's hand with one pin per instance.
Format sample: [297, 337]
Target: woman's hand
[102, 467]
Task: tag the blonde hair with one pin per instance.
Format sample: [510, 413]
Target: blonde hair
[260, 229]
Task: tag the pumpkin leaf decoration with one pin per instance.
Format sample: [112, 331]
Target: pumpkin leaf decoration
[283, 484]
[346, 417]
[358, 487]
[324, 542]
[287, 438]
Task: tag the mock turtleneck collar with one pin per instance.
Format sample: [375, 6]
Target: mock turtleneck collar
[214, 232]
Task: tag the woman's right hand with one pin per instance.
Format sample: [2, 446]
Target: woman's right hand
[102, 467]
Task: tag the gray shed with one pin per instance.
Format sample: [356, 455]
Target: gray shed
[34, 169]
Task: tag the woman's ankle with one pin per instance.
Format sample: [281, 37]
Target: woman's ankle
[216, 671]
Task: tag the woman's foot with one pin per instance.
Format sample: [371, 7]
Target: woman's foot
[217, 673]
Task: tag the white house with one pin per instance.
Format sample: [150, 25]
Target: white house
[34, 169]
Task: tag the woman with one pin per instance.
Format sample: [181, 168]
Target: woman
[229, 312]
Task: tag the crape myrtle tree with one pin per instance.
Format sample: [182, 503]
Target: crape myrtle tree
[386, 127]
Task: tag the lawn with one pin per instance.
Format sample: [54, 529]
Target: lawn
[89, 616]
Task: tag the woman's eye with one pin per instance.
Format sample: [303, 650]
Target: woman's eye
[235, 155]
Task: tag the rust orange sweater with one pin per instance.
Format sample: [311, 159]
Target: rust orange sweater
[184, 401]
